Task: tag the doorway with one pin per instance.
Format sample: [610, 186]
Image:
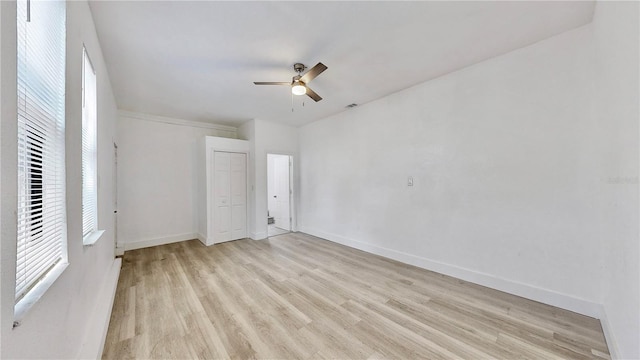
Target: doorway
[278, 194]
[119, 247]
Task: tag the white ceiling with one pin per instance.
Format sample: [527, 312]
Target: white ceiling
[198, 60]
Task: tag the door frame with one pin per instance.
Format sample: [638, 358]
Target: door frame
[292, 187]
[213, 185]
[213, 144]
[118, 246]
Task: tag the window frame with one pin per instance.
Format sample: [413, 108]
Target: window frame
[90, 210]
[41, 229]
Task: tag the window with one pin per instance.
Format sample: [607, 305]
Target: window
[41, 208]
[89, 152]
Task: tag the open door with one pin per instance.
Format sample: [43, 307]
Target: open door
[279, 193]
[281, 169]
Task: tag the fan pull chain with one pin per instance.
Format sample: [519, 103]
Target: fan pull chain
[291, 102]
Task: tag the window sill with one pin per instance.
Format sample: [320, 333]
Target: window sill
[92, 238]
[32, 297]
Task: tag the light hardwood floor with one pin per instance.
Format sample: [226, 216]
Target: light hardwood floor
[295, 296]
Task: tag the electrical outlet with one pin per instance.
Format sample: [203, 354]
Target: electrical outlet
[410, 181]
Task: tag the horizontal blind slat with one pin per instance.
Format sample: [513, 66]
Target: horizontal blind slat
[41, 123]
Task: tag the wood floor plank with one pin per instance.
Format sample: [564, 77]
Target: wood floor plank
[296, 296]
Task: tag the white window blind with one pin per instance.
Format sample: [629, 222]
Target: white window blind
[41, 212]
[89, 148]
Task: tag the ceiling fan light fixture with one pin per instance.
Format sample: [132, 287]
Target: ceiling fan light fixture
[298, 89]
[299, 82]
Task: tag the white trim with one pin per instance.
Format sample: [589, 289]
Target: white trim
[96, 336]
[220, 144]
[174, 121]
[607, 329]
[545, 296]
[92, 238]
[202, 238]
[293, 210]
[260, 235]
[139, 244]
[32, 296]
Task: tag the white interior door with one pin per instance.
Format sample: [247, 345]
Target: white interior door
[238, 167]
[221, 197]
[230, 196]
[282, 216]
[271, 186]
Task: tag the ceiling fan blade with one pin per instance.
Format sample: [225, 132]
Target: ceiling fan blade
[271, 83]
[312, 94]
[313, 72]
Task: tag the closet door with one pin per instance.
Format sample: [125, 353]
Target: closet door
[230, 196]
[238, 196]
[221, 197]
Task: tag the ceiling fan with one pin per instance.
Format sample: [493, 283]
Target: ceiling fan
[299, 82]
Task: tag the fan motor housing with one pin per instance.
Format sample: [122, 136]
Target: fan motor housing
[298, 67]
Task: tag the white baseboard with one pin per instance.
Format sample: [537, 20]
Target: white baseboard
[133, 245]
[260, 235]
[608, 335]
[202, 238]
[545, 296]
[96, 335]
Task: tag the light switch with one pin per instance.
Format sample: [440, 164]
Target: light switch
[410, 181]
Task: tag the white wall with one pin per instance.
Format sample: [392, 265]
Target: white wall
[70, 319]
[267, 137]
[616, 29]
[158, 171]
[500, 153]
[4, 79]
[525, 173]
[8, 97]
